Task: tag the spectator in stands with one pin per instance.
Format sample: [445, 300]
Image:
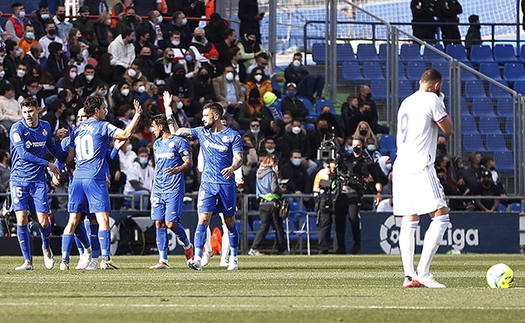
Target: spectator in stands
[212, 65]
[250, 18]
[120, 96]
[139, 178]
[190, 63]
[104, 69]
[363, 129]
[134, 72]
[215, 28]
[57, 61]
[10, 111]
[182, 88]
[365, 95]
[102, 92]
[180, 24]
[236, 62]
[74, 39]
[40, 19]
[33, 89]
[271, 108]
[203, 89]
[489, 163]
[193, 9]
[443, 162]
[462, 204]
[142, 39]
[269, 146]
[292, 104]
[486, 187]
[156, 30]
[308, 85]
[35, 56]
[124, 114]
[11, 59]
[5, 173]
[372, 148]
[78, 57]
[272, 128]
[145, 62]
[441, 145]
[255, 134]
[258, 80]
[27, 40]
[68, 80]
[334, 125]
[472, 174]
[164, 64]
[63, 26]
[18, 80]
[300, 182]
[45, 79]
[423, 11]
[126, 156]
[123, 51]
[251, 110]
[14, 25]
[261, 61]
[296, 139]
[228, 91]
[139, 92]
[365, 114]
[249, 159]
[86, 27]
[348, 110]
[459, 168]
[128, 20]
[175, 44]
[473, 36]
[104, 31]
[199, 44]
[225, 44]
[447, 12]
[49, 37]
[442, 176]
[321, 133]
[88, 80]
[55, 117]
[249, 47]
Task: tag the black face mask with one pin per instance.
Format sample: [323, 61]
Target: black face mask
[85, 18]
[214, 61]
[442, 147]
[204, 77]
[145, 57]
[357, 150]
[250, 42]
[363, 132]
[130, 18]
[369, 96]
[462, 188]
[323, 130]
[179, 77]
[61, 16]
[52, 32]
[198, 38]
[486, 182]
[254, 101]
[367, 113]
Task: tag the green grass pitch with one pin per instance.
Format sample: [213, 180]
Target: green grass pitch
[362, 288]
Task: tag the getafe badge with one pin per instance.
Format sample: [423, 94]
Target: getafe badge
[225, 139]
[44, 132]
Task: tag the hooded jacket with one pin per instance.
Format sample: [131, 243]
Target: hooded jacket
[266, 184]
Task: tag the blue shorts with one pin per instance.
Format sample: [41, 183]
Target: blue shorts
[166, 206]
[82, 208]
[29, 196]
[91, 192]
[219, 198]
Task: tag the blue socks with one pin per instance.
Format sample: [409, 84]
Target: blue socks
[82, 236]
[233, 234]
[162, 243]
[95, 243]
[104, 236]
[67, 242]
[200, 238]
[22, 233]
[45, 234]
[180, 232]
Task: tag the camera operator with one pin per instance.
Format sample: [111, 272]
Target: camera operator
[352, 171]
[325, 191]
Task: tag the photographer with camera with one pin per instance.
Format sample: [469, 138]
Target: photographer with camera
[352, 172]
[325, 191]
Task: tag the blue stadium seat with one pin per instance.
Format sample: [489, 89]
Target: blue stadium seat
[401, 72]
[519, 87]
[515, 207]
[504, 161]
[464, 108]
[509, 126]
[367, 52]
[468, 125]
[505, 108]
[378, 89]
[458, 52]
[472, 142]
[496, 142]
[345, 53]
[522, 53]
[489, 126]
[414, 70]
[496, 92]
[430, 56]
[491, 70]
[482, 107]
[513, 72]
[373, 71]
[309, 106]
[443, 68]
[319, 104]
[351, 72]
[410, 53]
[505, 53]
[445, 88]
[256, 225]
[387, 144]
[474, 89]
[467, 75]
[405, 89]
[481, 54]
[318, 53]
[382, 52]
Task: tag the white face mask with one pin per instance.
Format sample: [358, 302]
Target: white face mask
[132, 73]
[20, 73]
[125, 92]
[270, 151]
[296, 63]
[128, 148]
[175, 42]
[258, 78]
[72, 118]
[2, 74]
[42, 55]
[141, 89]
[296, 130]
[229, 76]
[180, 105]
[255, 131]
[89, 77]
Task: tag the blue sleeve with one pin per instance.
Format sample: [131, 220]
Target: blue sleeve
[111, 156]
[29, 157]
[184, 149]
[194, 132]
[54, 149]
[237, 143]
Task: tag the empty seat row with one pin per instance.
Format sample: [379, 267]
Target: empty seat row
[487, 125]
[485, 143]
[484, 107]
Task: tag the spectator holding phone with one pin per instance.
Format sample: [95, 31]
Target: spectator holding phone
[250, 17]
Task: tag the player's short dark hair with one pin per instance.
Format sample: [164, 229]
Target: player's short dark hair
[29, 102]
[160, 119]
[431, 75]
[215, 106]
[91, 104]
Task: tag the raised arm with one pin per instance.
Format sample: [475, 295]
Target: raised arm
[128, 131]
[174, 127]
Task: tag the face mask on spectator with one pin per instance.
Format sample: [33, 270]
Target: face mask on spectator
[180, 105]
[363, 132]
[184, 21]
[33, 92]
[296, 130]
[357, 150]
[175, 42]
[160, 19]
[89, 77]
[255, 131]
[128, 148]
[2, 74]
[18, 52]
[371, 147]
[258, 78]
[72, 75]
[45, 16]
[124, 92]
[290, 94]
[132, 72]
[296, 162]
[296, 63]
[388, 166]
[229, 76]
[349, 149]
[20, 73]
[21, 14]
[143, 160]
[270, 151]
[30, 35]
[188, 58]
[141, 89]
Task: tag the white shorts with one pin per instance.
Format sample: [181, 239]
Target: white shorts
[418, 193]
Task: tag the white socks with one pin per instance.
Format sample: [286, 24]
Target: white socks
[407, 242]
[433, 238]
[225, 243]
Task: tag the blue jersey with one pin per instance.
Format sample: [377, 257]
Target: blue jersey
[169, 153]
[91, 142]
[217, 151]
[28, 148]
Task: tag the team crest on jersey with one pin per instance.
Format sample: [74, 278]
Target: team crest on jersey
[225, 139]
[171, 144]
[44, 132]
[28, 144]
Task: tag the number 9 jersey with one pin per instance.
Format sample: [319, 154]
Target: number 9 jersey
[91, 142]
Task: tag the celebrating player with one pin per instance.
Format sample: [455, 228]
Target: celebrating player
[416, 188]
[222, 152]
[172, 159]
[30, 137]
[87, 156]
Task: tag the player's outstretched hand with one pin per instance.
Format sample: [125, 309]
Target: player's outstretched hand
[171, 171]
[61, 134]
[167, 98]
[138, 108]
[119, 143]
[54, 169]
[227, 172]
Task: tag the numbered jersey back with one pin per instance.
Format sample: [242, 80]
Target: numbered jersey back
[91, 142]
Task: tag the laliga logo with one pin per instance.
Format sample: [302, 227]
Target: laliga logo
[458, 238]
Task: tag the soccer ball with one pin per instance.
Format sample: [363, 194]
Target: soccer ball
[500, 276]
